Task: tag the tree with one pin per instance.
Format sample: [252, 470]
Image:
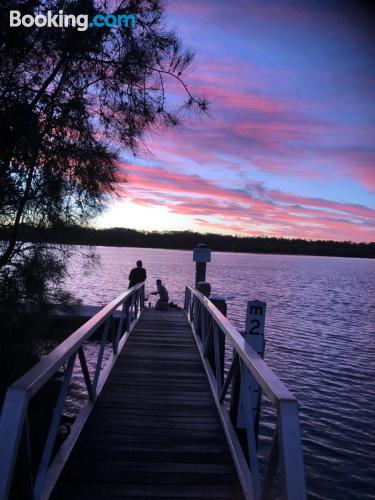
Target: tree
[71, 100]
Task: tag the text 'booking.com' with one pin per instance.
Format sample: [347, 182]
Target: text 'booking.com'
[81, 22]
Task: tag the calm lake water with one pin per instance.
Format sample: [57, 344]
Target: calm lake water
[320, 329]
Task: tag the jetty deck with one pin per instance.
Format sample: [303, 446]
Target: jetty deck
[154, 431]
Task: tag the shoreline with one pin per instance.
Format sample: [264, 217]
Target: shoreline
[186, 240]
[239, 252]
[101, 245]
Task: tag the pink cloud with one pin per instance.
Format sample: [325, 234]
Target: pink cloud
[267, 119]
[253, 210]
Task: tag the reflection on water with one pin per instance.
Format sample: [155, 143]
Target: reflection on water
[320, 341]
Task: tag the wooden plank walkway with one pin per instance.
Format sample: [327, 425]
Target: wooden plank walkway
[154, 431]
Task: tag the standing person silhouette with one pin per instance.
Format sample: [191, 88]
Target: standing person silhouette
[137, 274]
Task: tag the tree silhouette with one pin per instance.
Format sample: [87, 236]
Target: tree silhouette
[71, 100]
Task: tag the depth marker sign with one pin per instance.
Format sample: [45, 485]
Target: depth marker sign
[254, 335]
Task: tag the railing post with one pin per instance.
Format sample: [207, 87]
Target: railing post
[220, 303]
[290, 443]
[120, 327]
[127, 314]
[195, 307]
[186, 300]
[11, 428]
[23, 484]
[203, 324]
[132, 309]
[270, 474]
[142, 299]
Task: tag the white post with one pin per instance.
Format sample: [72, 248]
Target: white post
[254, 327]
[254, 335]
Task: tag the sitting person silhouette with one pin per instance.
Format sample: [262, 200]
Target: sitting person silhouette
[162, 302]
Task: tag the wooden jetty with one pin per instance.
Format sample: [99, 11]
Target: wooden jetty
[154, 431]
[163, 419]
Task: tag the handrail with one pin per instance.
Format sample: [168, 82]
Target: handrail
[14, 418]
[35, 378]
[269, 382]
[208, 323]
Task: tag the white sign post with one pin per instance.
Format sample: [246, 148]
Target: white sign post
[254, 335]
[201, 254]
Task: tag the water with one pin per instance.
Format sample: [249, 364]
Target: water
[320, 342]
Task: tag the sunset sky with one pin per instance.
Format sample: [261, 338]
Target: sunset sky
[288, 148]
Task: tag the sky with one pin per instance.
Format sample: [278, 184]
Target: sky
[288, 146]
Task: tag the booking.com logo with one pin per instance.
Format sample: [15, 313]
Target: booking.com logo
[61, 20]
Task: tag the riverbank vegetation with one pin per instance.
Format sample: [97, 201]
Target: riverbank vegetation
[186, 240]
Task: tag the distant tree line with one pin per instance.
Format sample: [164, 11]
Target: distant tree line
[186, 240]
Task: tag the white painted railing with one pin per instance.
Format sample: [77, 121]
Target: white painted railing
[210, 329]
[14, 422]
